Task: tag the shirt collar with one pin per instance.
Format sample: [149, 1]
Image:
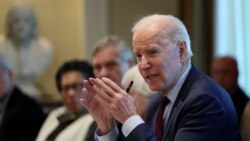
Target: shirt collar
[172, 95]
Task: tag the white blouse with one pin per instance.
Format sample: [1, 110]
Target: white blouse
[76, 131]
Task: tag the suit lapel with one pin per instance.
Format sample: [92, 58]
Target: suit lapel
[179, 100]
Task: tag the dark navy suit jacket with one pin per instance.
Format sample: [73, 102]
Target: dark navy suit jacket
[22, 119]
[203, 111]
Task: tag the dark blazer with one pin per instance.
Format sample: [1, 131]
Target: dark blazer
[203, 111]
[239, 100]
[22, 119]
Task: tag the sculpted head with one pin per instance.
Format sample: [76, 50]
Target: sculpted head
[21, 23]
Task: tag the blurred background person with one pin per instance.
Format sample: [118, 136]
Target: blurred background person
[111, 58]
[139, 90]
[20, 116]
[69, 122]
[29, 53]
[225, 72]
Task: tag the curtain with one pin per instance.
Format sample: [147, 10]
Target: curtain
[198, 16]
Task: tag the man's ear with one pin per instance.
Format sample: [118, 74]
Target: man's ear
[182, 51]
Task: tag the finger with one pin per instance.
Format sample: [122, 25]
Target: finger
[109, 106]
[105, 88]
[88, 86]
[112, 85]
[84, 103]
[85, 94]
[87, 91]
[105, 101]
[92, 81]
[105, 97]
[98, 90]
[87, 97]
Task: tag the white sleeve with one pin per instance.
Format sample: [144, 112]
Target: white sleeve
[110, 136]
[130, 124]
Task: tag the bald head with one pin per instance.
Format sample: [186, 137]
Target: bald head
[225, 71]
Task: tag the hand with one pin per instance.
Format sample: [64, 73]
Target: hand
[103, 118]
[114, 99]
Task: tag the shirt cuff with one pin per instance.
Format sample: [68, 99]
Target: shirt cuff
[130, 124]
[110, 136]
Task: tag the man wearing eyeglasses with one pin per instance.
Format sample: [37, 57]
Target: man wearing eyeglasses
[69, 121]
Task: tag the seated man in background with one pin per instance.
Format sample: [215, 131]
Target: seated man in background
[225, 72]
[69, 122]
[20, 116]
[111, 58]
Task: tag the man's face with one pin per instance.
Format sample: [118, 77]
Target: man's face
[224, 72]
[158, 60]
[106, 63]
[71, 86]
[5, 81]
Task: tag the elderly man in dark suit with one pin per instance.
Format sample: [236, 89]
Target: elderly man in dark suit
[225, 72]
[191, 107]
[20, 116]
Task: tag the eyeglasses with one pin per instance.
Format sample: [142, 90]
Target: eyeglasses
[77, 86]
[108, 65]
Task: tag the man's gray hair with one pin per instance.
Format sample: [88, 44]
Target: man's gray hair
[124, 50]
[5, 63]
[174, 32]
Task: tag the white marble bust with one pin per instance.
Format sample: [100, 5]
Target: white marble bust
[29, 53]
